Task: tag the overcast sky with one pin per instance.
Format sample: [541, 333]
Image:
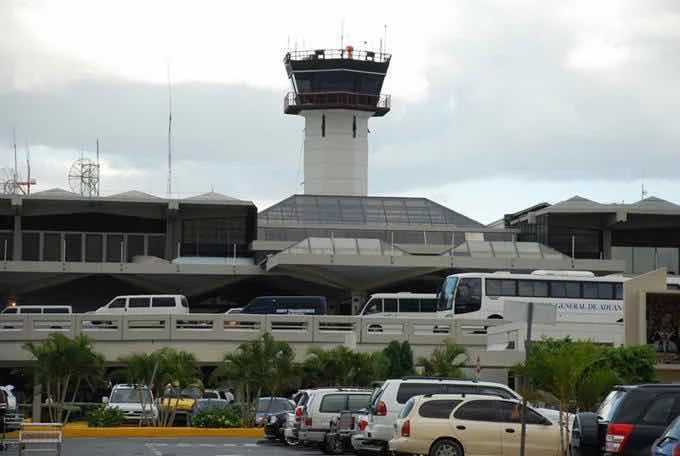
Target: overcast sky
[497, 105]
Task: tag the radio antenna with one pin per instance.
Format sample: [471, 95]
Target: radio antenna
[169, 135]
[98, 170]
[28, 169]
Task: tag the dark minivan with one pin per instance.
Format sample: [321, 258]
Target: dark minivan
[286, 305]
[628, 421]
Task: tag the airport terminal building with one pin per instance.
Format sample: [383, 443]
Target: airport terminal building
[60, 247]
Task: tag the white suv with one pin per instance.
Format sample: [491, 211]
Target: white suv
[135, 401]
[325, 404]
[388, 400]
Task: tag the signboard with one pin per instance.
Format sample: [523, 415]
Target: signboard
[516, 310]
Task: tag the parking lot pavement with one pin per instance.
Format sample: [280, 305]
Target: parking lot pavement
[180, 447]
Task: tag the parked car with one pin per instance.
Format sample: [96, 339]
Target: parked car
[205, 404]
[322, 407]
[283, 305]
[669, 442]
[458, 424]
[146, 305]
[628, 422]
[19, 310]
[271, 405]
[291, 430]
[342, 428]
[389, 399]
[276, 423]
[135, 401]
[35, 310]
[181, 401]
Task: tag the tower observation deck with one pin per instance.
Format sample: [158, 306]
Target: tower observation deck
[336, 91]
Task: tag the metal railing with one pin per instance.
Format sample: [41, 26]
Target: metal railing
[240, 327]
[337, 99]
[338, 54]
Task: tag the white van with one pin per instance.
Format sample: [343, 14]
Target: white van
[403, 304]
[14, 310]
[146, 304]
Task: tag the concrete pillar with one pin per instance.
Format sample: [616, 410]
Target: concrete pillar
[172, 230]
[607, 244]
[37, 403]
[17, 240]
[358, 300]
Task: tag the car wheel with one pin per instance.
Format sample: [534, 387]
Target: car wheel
[446, 447]
[290, 441]
[585, 439]
[332, 445]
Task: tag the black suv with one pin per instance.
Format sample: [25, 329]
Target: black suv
[628, 421]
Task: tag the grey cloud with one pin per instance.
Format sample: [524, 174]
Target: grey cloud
[517, 111]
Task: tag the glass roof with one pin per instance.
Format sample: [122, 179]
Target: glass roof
[343, 246]
[505, 249]
[362, 210]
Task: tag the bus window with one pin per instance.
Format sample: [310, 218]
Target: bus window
[428, 305]
[446, 295]
[468, 295]
[373, 306]
[390, 305]
[618, 291]
[501, 287]
[409, 305]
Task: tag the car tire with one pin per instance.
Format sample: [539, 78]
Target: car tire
[585, 439]
[446, 447]
[332, 445]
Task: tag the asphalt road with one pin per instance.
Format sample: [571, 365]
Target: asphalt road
[181, 447]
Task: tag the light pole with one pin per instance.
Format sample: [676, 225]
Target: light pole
[527, 343]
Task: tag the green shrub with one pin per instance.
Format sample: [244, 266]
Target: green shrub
[105, 417]
[216, 418]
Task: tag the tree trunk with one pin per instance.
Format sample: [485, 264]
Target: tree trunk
[73, 399]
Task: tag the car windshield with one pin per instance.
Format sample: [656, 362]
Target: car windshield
[610, 404]
[275, 405]
[130, 396]
[187, 393]
[673, 430]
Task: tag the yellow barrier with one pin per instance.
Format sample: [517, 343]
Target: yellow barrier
[75, 430]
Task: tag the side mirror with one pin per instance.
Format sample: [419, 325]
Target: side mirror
[105, 400]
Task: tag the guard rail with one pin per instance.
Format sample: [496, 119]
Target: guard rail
[241, 327]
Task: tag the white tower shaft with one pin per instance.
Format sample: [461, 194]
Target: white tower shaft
[336, 152]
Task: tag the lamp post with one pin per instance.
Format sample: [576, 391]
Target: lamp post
[527, 343]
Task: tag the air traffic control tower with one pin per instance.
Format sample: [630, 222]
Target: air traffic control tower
[336, 91]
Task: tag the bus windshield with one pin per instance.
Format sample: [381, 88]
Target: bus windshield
[445, 301]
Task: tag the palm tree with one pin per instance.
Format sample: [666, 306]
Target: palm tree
[445, 361]
[257, 366]
[144, 369]
[62, 365]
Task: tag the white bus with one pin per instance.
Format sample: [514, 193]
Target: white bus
[579, 296]
[403, 304]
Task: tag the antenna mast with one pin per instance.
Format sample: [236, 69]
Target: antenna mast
[342, 33]
[98, 169]
[28, 169]
[16, 164]
[169, 135]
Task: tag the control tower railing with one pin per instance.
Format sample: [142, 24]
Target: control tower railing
[338, 54]
[293, 103]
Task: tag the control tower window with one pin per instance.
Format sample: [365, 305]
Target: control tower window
[354, 127]
[323, 125]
